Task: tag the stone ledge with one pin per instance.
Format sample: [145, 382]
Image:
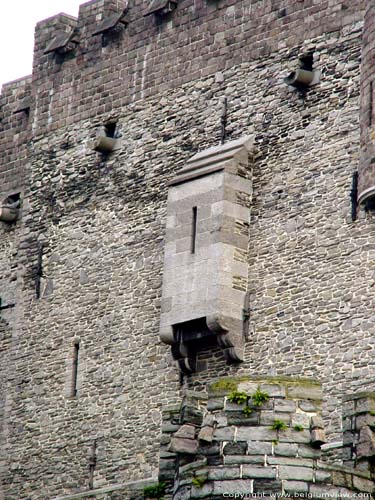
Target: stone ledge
[130, 486]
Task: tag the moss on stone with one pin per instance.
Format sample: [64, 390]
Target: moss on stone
[229, 384]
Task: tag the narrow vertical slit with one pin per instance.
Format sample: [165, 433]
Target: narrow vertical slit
[354, 195]
[194, 230]
[75, 369]
[39, 271]
[110, 129]
[371, 103]
[92, 465]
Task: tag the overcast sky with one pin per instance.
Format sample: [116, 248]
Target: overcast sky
[17, 22]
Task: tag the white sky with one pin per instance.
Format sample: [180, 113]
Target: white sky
[17, 22]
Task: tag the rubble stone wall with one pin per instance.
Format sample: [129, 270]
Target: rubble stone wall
[91, 232]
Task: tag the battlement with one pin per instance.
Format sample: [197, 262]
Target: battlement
[113, 49]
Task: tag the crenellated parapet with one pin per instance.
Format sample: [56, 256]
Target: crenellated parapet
[118, 52]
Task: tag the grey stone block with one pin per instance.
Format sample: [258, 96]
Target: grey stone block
[237, 448]
[267, 486]
[259, 472]
[185, 446]
[204, 492]
[309, 406]
[240, 419]
[285, 405]
[286, 449]
[259, 447]
[243, 459]
[186, 470]
[206, 434]
[223, 473]
[317, 422]
[260, 433]
[313, 392]
[185, 431]
[292, 436]
[322, 476]
[229, 487]
[294, 461]
[320, 491]
[306, 451]
[225, 434]
[295, 487]
[295, 473]
[269, 417]
[318, 437]
[363, 484]
[274, 390]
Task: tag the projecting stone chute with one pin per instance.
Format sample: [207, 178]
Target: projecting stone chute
[112, 24]
[63, 42]
[205, 266]
[305, 75]
[10, 208]
[160, 7]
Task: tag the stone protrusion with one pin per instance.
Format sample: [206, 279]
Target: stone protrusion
[359, 431]
[366, 170]
[208, 201]
[318, 436]
[272, 452]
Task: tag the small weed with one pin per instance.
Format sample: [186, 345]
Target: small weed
[298, 428]
[237, 397]
[199, 481]
[275, 442]
[372, 413]
[372, 427]
[279, 425]
[155, 491]
[247, 411]
[259, 397]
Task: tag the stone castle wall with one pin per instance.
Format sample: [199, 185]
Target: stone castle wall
[91, 230]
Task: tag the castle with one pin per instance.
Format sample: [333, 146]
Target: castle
[187, 253]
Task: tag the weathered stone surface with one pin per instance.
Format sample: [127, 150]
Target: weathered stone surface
[229, 487]
[223, 473]
[181, 445]
[206, 434]
[310, 275]
[185, 431]
[318, 437]
[259, 472]
[295, 473]
[238, 448]
[295, 487]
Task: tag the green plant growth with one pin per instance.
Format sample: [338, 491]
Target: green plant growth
[275, 442]
[237, 397]
[298, 428]
[372, 413]
[247, 411]
[372, 427]
[199, 481]
[259, 397]
[155, 491]
[279, 425]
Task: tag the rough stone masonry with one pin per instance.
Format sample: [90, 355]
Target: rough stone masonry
[117, 104]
